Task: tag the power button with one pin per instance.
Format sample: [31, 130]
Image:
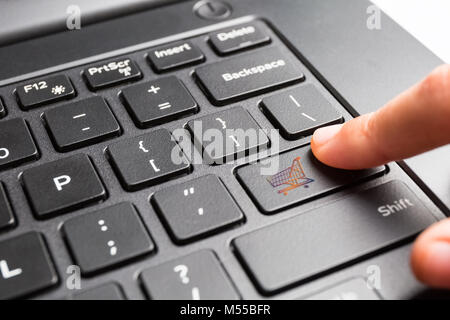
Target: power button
[212, 9]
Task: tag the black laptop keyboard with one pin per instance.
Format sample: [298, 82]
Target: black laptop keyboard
[89, 181]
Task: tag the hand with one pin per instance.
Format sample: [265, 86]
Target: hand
[416, 121]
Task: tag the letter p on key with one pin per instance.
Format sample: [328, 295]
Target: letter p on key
[61, 181]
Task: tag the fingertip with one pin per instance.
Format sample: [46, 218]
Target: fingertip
[320, 139]
[323, 135]
[430, 257]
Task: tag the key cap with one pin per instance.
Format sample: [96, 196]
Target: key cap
[324, 239]
[238, 38]
[189, 211]
[106, 238]
[111, 73]
[81, 123]
[236, 134]
[248, 75]
[198, 276]
[25, 266]
[63, 185]
[6, 212]
[175, 55]
[299, 112]
[110, 291]
[354, 289]
[147, 160]
[295, 177]
[2, 109]
[16, 143]
[44, 91]
[158, 101]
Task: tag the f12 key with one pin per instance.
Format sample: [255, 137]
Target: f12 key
[44, 91]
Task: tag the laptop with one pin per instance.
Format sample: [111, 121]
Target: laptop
[160, 150]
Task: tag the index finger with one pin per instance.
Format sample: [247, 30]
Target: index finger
[416, 121]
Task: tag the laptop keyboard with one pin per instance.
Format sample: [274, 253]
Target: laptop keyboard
[88, 178]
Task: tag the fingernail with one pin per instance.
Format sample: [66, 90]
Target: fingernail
[323, 135]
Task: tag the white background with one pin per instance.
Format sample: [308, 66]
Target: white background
[427, 20]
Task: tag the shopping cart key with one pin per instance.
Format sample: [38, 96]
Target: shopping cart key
[295, 177]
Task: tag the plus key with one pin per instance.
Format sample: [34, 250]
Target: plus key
[158, 101]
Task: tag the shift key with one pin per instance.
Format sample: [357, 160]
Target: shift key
[325, 239]
[249, 74]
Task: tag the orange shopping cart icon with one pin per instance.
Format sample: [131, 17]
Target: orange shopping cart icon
[294, 177]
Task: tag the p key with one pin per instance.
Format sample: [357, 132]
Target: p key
[146, 160]
[81, 123]
[62, 185]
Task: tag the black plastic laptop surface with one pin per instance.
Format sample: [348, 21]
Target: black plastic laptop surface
[109, 171]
